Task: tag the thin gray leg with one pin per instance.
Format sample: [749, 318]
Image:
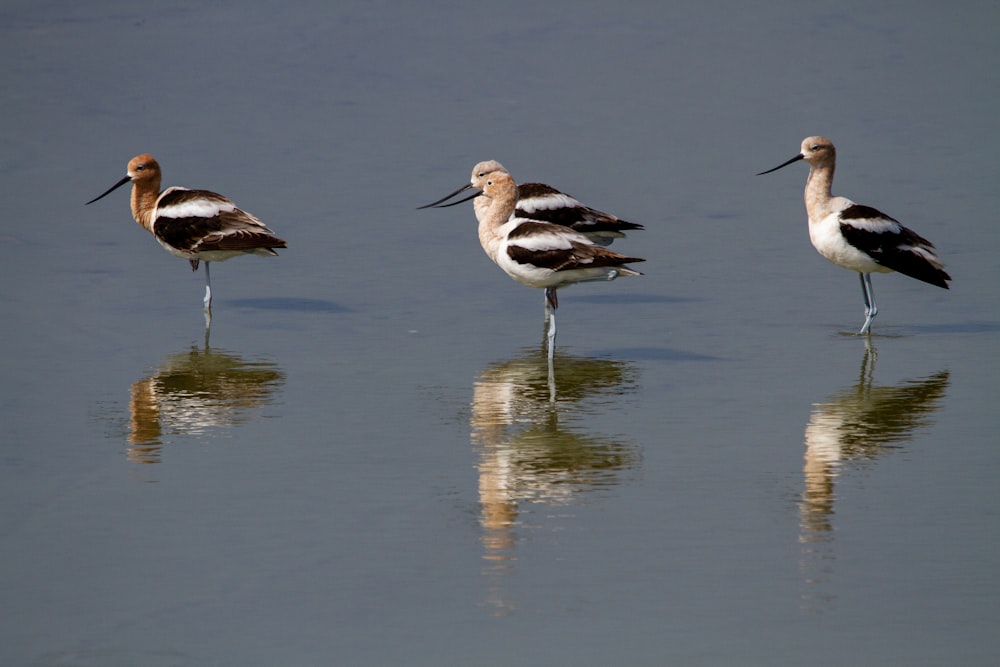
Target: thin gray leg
[208, 296]
[208, 287]
[551, 335]
[551, 303]
[871, 310]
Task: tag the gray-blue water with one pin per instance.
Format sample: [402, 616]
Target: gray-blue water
[362, 465]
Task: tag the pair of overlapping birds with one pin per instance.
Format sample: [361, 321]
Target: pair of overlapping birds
[539, 236]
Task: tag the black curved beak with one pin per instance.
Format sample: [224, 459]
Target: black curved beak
[438, 204]
[111, 189]
[798, 157]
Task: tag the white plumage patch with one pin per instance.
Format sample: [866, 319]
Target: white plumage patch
[828, 240]
[874, 225]
[194, 207]
[547, 203]
[199, 208]
[548, 242]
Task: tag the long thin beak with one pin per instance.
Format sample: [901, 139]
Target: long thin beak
[438, 204]
[798, 157]
[111, 189]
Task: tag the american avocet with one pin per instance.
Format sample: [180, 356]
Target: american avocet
[196, 225]
[857, 237]
[538, 201]
[534, 252]
[541, 202]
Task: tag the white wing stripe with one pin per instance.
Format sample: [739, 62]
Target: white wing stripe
[874, 225]
[198, 208]
[547, 202]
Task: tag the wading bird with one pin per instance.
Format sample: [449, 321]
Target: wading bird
[534, 252]
[196, 225]
[857, 237]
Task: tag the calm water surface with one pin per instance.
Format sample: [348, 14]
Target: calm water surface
[368, 461]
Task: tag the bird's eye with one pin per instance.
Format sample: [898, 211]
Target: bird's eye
[140, 167]
[489, 182]
[481, 174]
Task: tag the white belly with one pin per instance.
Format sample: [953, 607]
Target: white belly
[829, 242]
[533, 276]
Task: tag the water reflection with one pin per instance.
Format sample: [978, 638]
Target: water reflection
[853, 426]
[194, 391]
[524, 415]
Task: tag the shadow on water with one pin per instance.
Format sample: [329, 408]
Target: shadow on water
[852, 427]
[532, 450]
[970, 327]
[193, 392]
[626, 297]
[289, 304]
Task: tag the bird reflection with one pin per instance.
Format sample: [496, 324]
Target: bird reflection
[531, 451]
[855, 425]
[192, 392]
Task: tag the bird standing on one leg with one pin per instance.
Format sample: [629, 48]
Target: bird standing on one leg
[857, 237]
[196, 225]
[533, 252]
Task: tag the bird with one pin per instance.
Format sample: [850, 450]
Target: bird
[538, 201]
[858, 237]
[544, 203]
[196, 225]
[534, 252]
